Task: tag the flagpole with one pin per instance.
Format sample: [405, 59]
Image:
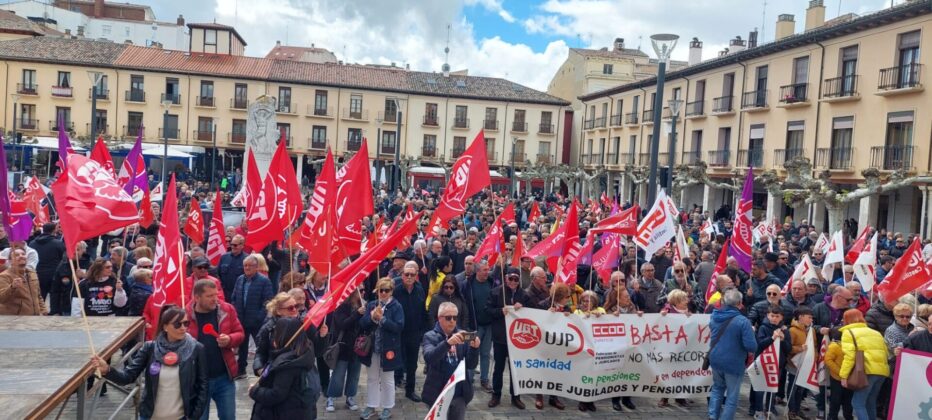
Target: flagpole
[181, 261]
[87, 325]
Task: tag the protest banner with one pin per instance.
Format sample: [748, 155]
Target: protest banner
[440, 408]
[914, 376]
[590, 359]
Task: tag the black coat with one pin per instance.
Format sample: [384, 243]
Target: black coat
[283, 392]
[264, 345]
[440, 367]
[192, 374]
[51, 250]
[494, 309]
[345, 322]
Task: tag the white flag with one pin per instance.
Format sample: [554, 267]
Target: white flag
[811, 370]
[708, 228]
[156, 193]
[911, 390]
[834, 254]
[865, 265]
[681, 250]
[765, 371]
[656, 229]
[804, 271]
[440, 408]
[821, 243]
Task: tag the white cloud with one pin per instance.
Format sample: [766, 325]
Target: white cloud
[494, 6]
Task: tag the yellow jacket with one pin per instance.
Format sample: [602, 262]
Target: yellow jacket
[833, 359]
[798, 334]
[871, 343]
[434, 287]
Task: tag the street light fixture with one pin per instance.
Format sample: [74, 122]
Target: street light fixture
[514, 141]
[95, 77]
[675, 106]
[166, 104]
[663, 45]
[396, 170]
[378, 145]
[15, 97]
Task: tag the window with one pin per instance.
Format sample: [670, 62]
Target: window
[353, 139]
[137, 89]
[27, 117]
[28, 85]
[700, 90]
[728, 84]
[205, 129]
[64, 79]
[284, 131]
[794, 139]
[546, 124]
[171, 126]
[63, 117]
[210, 38]
[695, 148]
[391, 110]
[101, 88]
[207, 89]
[388, 143]
[848, 70]
[543, 151]
[606, 69]
[284, 99]
[100, 120]
[841, 152]
[490, 148]
[908, 59]
[634, 104]
[172, 90]
[459, 146]
[720, 156]
[430, 114]
[240, 96]
[755, 146]
[429, 147]
[760, 97]
[677, 93]
[491, 119]
[320, 102]
[319, 137]
[459, 117]
[133, 123]
[632, 144]
[355, 110]
[238, 134]
[801, 70]
[520, 124]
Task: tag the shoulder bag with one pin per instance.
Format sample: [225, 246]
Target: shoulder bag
[332, 354]
[857, 379]
[706, 361]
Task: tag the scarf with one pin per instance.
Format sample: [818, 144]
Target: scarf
[184, 348]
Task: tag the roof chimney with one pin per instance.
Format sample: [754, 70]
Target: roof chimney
[815, 15]
[180, 21]
[786, 26]
[737, 44]
[723, 53]
[619, 44]
[98, 8]
[752, 39]
[278, 43]
[695, 51]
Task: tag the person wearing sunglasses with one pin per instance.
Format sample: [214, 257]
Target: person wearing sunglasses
[175, 365]
[410, 295]
[507, 297]
[200, 270]
[445, 346]
[758, 312]
[385, 320]
[230, 266]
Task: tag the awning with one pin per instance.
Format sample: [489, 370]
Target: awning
[159, 151]
[49, 143]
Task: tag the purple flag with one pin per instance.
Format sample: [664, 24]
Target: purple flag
[64, 144]
[132, 177]
[4, 192]
[740, 247]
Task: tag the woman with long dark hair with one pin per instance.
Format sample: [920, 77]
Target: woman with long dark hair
[282, 391]
[176, 370]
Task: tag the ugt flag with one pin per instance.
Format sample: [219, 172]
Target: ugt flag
[440, 408]
[741, 244]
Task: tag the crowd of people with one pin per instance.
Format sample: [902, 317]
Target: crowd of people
[435, 303]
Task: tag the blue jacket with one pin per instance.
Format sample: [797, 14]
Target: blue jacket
[389, 337]
[251, 312]
[731, 351]
[440, 367]
[229, 269]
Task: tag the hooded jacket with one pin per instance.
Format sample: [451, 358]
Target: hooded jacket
[736, 341]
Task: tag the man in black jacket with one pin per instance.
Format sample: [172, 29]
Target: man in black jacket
[413, 300]
[508, 296]
[50, 250]
[444, 347]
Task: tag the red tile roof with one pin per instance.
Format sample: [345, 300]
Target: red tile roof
[143, 58]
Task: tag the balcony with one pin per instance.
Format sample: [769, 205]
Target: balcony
[461, 123]
[892, 158]
[751, 157]
[27, 124]
[835, 158]
[631, 118]
[662, 159]
[319, 111]
[285, 108]
[428, 151]
[626, 159]
[589, 124]
[723, 105]
[545, 129]
[491, 125]
[457, 153]
[430, 121]
[239, 103]
[353, 145]
[203, 136]
[840, 88]
[236, 137]
[388, 117]
[174, 98]
[62, 91]
[719, 158]
[611, 158]
[360, 115]
[493, 156]
[794, 95]
[521, 126]
[692, 157]
[102, 94]
[754, 100]
[101, 129]
[648, 117]
[171, 133]
[135, 95]
[616, 120]
[781, 156]
[900, 79]
[544, 159]
[695, 109]
[518, 158]
[317, 143]
[133, 130]
[27, 88]
[205, 101]
[53, 126]
[386, 149]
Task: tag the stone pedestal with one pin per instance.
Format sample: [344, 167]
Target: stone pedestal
[817, 216]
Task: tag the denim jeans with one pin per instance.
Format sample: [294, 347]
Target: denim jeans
[723, 401]
[222, 390]
[796, 397]
[864, 402]
[344, 379]
[485, 348]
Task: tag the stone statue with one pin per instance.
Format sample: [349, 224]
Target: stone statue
[261, 132]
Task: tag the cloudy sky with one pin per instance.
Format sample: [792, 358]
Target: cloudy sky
[524, 41]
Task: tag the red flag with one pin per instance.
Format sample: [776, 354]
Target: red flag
[90, 202]
[353, 200]
[262, 223]
[535, 212]
[508, 214]
[287, 189]
[101, 155]
[252, 185]
[470, 174]
[33, 197]
[908, 274]
[606, 259]
[492, 244]
[216, 242]
[167, 273]
[194, 227]
[551, 246]
[571, 258]
[855, 250]
[518, 252]
[571, 227]
[623, 223]
[146, 217]
[720, 267]
[42, 217]
[345, 282]
[317, 232]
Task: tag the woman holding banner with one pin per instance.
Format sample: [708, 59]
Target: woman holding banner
[588, 305]
[677, 303]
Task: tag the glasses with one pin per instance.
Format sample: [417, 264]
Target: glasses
[448, 318]
[178, 324]
[144, 266]
[288, 308]
[772, 294]
[904, 316]
[235, 244]
[410, 274]
[677, 271]
[385, 290]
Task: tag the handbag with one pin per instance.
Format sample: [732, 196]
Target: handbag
[857, 379]
[363, 345]
[705, 361]
[332, 354]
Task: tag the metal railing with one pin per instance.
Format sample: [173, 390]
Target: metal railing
[355, 115]
[175, 98]
[284, 107]
[694, 109]
[791, 94]
[135, 95]
[662, 159]
[545, 129]
[521, 126]
[27, 124]
[239, 103]
[53, 125]
[456, 153]
[287, 141]
[589, 124]
[236, 137]
[353, 145]
[103, 94]
[611, 158]
[430, 120]
[691, 157]
[751, 157]
[387, 149]
[631, 118]
[133, 130]
[429, 151]
[647, 116]
[840, 87]
[518, 158]
[171, 133]
[835, 158]
[319, 112]
[461, 123]
[616, 120]
[492, 156]
[62, 91]
[101, 129]
[892, 158]
[544, 159]
[900, 77]
[27, 88]
[626, 159]
[754, 99]
[723, 104]
[781, 156]
[317, 143]
[719, 158]
[206, 136]
[206, 101]
[490, 124]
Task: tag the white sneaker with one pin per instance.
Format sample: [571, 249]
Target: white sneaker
[351, 403]
[330, 404]
[760, 416]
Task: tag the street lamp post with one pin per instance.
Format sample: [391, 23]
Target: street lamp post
[213, 155]
[94, 77]
[675, 105]
[663, 45]
[378, 146]
[514, 141]
[15, 97]
[165, 104]
[396, 171]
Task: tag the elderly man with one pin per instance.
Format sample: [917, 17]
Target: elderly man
[703, 272]
[410, 294]
[230, 267]
[475, 290]
[758, 312]
[799, 296]
[538, 293]
[732, 340]
[121, 267]
[249, 297]
[863, 303]
[19, 288]
[649, 287]
[445, 347]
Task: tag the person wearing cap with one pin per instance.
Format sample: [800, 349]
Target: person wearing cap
[398, 265]
[772, 263]
[200, 269]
